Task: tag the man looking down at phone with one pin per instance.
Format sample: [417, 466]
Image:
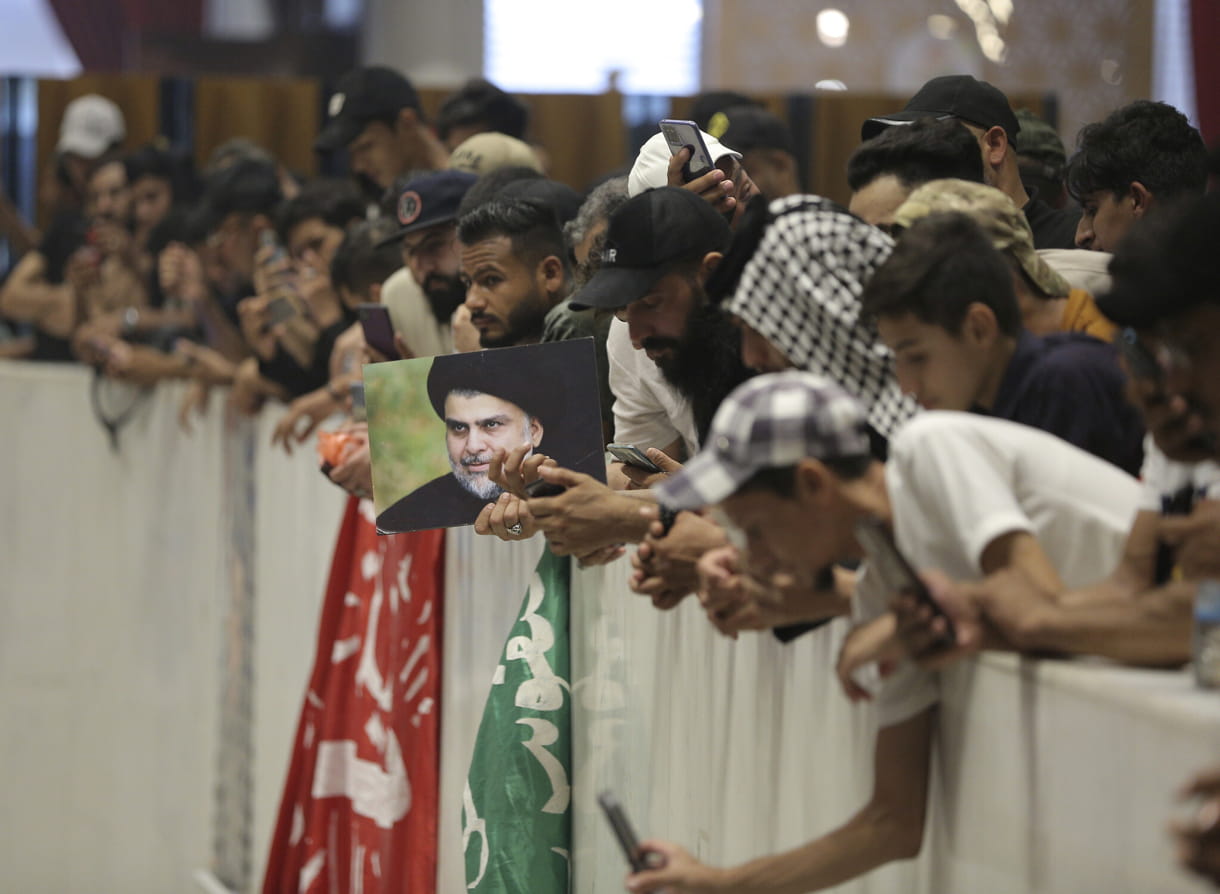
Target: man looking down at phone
[945, 305]
[660, 247]
[788, 462]
[1143, 155]
[1143, 612]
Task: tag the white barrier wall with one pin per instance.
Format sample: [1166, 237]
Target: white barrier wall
[116, 573]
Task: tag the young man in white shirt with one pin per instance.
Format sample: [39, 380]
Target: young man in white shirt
[788, 462]
[1142, 613]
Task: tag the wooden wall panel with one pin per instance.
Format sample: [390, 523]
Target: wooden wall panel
[583, 135]
[280, 114]
[137, 95]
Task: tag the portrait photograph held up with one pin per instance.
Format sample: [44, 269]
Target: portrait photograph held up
[436, 423]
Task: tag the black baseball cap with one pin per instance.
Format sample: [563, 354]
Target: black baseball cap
[363, 95]
[644, 237]
[429, 199]
[952, 96]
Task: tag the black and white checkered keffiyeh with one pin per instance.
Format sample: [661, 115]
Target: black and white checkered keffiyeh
[801, 291]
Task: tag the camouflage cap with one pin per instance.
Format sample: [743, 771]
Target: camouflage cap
[1039, 140]
[1002, 221]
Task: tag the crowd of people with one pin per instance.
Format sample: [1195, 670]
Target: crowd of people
[995, 360]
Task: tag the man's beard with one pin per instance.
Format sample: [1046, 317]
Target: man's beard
[705, 363]
[524, 324]
[445, 294]
[476, 482]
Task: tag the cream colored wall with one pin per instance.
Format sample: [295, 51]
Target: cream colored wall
[1059, 47]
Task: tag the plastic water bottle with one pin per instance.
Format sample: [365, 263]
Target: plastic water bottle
[1206, 651]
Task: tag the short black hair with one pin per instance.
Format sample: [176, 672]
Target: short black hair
[532, 228]
[781, 480]
[335, 202]
[489, 185]
[247, 186]
[480, 102]
[1145, 141]
[360, 261]
[940, 266]
[172, 165]
[915, 153]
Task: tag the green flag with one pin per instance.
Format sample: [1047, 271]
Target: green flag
[516, 810]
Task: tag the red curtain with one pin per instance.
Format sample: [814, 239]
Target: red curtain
[98, 29]
[1205, 42]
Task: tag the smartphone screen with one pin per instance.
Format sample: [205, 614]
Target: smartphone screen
[378, 330]
[894, 570]
[680, 135]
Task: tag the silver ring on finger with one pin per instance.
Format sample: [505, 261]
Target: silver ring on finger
[515, 530]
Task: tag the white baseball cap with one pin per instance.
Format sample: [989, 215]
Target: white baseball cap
[651, 168]
[91, 125]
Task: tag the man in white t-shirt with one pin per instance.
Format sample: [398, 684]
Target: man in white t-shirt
[788, 462]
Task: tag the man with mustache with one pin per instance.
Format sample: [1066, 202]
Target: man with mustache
[489, 406]
[427, 210]
[514, 265]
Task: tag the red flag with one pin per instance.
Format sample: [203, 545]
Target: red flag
[360, 805]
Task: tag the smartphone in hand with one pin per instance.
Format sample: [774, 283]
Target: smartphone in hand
[632, 456]
[627, 840]
[378, 330]
[540, 487]
[895, 571]
[681, 135]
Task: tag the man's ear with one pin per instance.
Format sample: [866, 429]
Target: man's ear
[406, 120]
[1141, 199]
[551, 275]
[375, 293]
[711, 261]
[535, 431]
[812, 481]
[980, 326]
[995, 145]
[260, 222]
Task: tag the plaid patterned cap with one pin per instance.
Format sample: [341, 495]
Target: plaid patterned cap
[801, 289]
[1002, 222]
[769, 422]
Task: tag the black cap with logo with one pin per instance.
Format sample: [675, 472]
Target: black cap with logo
[644, 238]
[429, 199]
[952, 96]
[363, 95]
